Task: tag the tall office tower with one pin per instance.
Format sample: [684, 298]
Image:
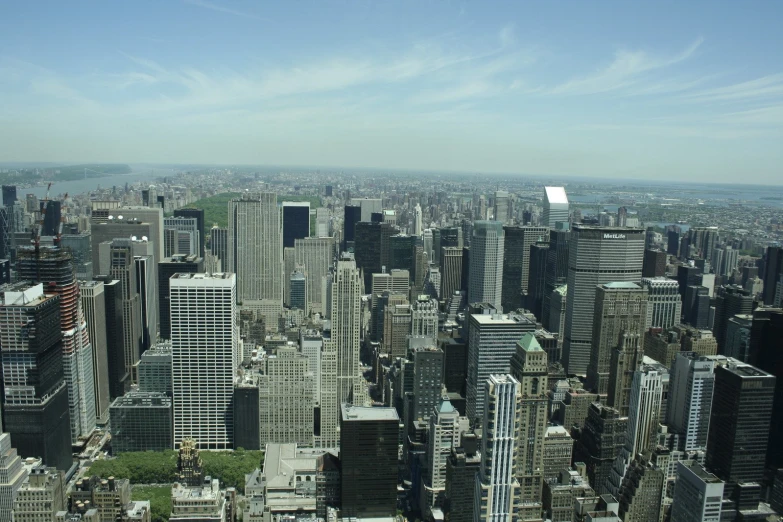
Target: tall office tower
[555, 206]
[323, 223]
[688, 275]
[141, 421]
[147, 287]
[697, 494]
[600, 442]
[701, 242]
[444, 437]
[327, 433]
[451, 237]
[218, 244]
[690, 399]
[424, 317]
[255, 246]
[353, 215]
[93, 301]
[179, 264]
[696, 306]
[485, 278]
[502, 207]
[394, 282]
[155, 369]
[369, 207]
[9, 195]
[35, 396]
[186, 236]
[739, 422]
[347, 291]
[119, 378]
[492, 341]
[529, 367]
[402, 252]
[53, 267]
[451, 271]
[121, 267]
[298, 297]
[79, 246]
[153, 216]
[641, 491]
[536, 282]
[5, 271]
[41, 496]
[372, 248]
[620, 318]
[654, 263]
[725, 260]
[516, 262]
[427, 382]
[427, 243]
[204, 339]
[396, 327]
[664, 304]
[644, 415]
[368, 457]
[765, 354]
[12, 475]
[773, 270]
[729, 301]
[558, 451]
[418, 227]
[5, 233]
[51, 218]
[673, 242]
[556, 271]
[198, 215]
[497, 490]
[461, 470]
[247, 413]
[316, 255]
[296, 221]
[112, 229]
[286, 399]
[738, 340]
[597, 255]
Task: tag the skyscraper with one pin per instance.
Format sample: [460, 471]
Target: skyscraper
[597, 255]
[556, 271]
[315, 255]
[121, 267]
[444, 437]
[54, 267]
[451, 271]
[204, 340]
[198, 214]
[664, 304]
[773, 270]
[536, 281]
[169, 266]
[347, 292]
[185, 236]
[497, 489]
[35, 396]
[502, 207]
[654, 263]
[516, 262]
[739, 422]
[486, 263]
[12, 475]
[93, 300]
[119, 378]
[492, 341]
[286, 399]
[255, 247]
[218, 244]
[690, 399]
[620, 309]
[555, 206]
[697, 494]
[296, 221]
[529, 367]
[353, 214]
[368, 457]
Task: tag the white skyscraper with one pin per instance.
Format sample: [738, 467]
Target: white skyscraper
[555, 206]
[204, 339]
[12, 475]
[347, 291]
[497, 490]
[424, 317]
[418, 227]
[255, 247]
[689, 404]
[485, 283]
[286, 393]
[502, 208]
[315, 255]
[664, 303]
[444, 436]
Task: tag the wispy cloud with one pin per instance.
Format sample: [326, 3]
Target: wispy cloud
[222, 9]
[627, 69]
[765, 87]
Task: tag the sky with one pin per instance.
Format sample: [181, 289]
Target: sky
[636, 90]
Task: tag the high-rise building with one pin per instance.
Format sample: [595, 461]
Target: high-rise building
[696, 306]
[516, 262]
[424, 317]
[368, 457]
[315, 255]
[53, 267]
[141, 421]
[40, 496]
[497, 489]
[368, 206]
[296, 221]
[204, 339]
[485, 282]
[555, 206]
[536, 282]
[169, 266]
[147, 287]
[697, 494]
[451, 271]
[152, 216]
[444, 437]
[529, 367]
[9, 195]
[641, 491]
[119, 378]
[372, 248]
[502, 207]
[255, 247]
[597, 255]
[701, 241]
[12, 475]
[461, 470]
[558, 451]
[729, 301]
[492, 341]
[689, 403]
[218, 244]
[93, 300]
[353, 215]
[773, 271]
[664, 304]
[198, 214]
[556, 272]
[35, 398]
[154, 371]
[654, 264]
[298, 296]
[620, 310]
[739, 422]
[599, 443]
[122, 268]
[184, 238]
[286, 399]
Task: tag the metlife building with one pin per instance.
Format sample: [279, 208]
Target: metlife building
[597, 256]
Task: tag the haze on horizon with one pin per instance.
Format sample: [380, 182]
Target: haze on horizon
[665, 90]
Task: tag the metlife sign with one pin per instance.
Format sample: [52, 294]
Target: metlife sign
[614, 236]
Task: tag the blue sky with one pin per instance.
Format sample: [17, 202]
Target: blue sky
[680, 90]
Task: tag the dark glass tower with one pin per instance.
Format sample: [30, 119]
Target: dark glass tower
[516, 263]
[654, 263]
[51, 220]
[773, 269]
[167, 268]
[119, 378]
[539, 252]
[35, 397]
[368, 441]
[372, 248]
[197, 213]
[556, 269]
[296, 222]
[9, 195]
[353, 214]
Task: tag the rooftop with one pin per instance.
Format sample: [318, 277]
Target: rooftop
[363, 413]
[622, 285]
[529, 343]
[556, 195]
